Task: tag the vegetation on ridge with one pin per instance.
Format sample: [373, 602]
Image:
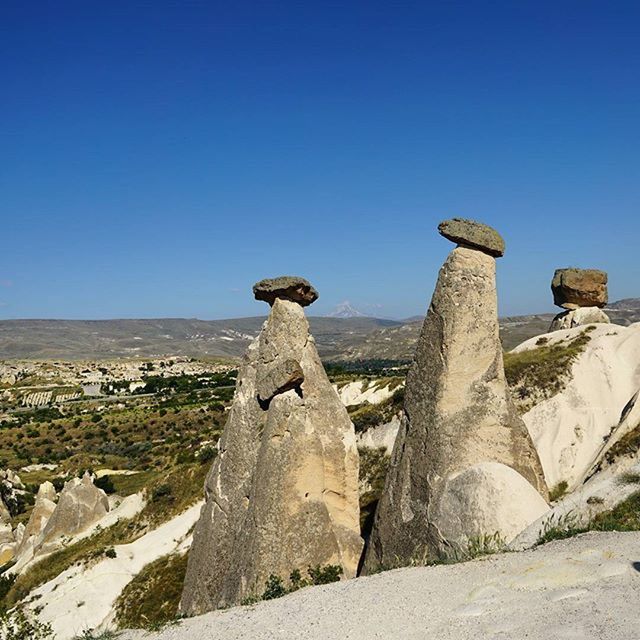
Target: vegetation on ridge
[541, 373]
[623, 517]
[367, 415]
[185, 488]
[151, 599]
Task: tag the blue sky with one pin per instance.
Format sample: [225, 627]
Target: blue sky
[158, 158]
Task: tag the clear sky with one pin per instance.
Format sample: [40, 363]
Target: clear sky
[156, 159]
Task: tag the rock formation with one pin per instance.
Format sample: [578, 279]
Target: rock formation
[463, 464]
[285, 288]
[43, 508]
[574, 426]
[574, 288]
[7, 543]
[12, 491]
[283, 491]
[582, 292]
[4, 512]
[579, 317]
[80, 504]
[468, 233]
[18, 543]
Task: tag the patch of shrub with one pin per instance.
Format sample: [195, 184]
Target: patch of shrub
[106, 484]
[558, 491]
[6, 581]
[90, 634]
[374, 464]
[541, 373]
[151, 598]
[325, 575]
[374, 367]
[162, 491]
[185, 457]
[58, 483]
[629, 444]
[276, 588]
[207, 454]
[18, 625]
[371, 415]
[623, 517]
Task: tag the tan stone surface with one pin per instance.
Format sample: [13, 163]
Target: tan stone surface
[283, 491]
[573, 288]
[458, 413]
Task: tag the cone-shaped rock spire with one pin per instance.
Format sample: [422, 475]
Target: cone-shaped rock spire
[283, 491]
[463, 464]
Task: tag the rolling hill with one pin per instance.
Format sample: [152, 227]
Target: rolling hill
[338, 339]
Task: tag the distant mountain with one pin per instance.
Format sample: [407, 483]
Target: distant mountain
[625, 311]
[626, 304]
[345, 310]
[92, 339]
[338, 338]
[398, 342]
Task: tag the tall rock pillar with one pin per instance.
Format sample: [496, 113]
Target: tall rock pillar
[463, 465]
[283, 491]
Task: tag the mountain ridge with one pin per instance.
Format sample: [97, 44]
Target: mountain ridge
[352, 338]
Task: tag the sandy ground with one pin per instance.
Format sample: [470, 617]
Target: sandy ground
[585, 588]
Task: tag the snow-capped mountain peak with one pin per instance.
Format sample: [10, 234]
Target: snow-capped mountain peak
[345, 310]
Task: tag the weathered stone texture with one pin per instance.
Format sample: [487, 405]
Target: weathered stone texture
[80, 505]
[291, 288]
[469, 233]
[458, 414]
[579, 317]
[283, 491]
[280, 377]
[573, 288]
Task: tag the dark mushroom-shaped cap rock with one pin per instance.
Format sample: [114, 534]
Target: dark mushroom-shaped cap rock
[286, 287]
[476, 235]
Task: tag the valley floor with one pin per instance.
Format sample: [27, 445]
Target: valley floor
[587, 587]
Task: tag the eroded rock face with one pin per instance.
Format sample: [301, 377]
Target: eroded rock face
[493, 498]
[283, 492]
[11, 492]
[4, 512]
[579, 317]
[80, 504]
[281, 377]
[291, 288]
[43, 508]
[572, 428]
[30, 537]
[458, 414]
[469, 233]
[7, 543]
[573, 288]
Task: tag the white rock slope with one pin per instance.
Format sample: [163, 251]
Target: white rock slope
[570, 429]
[83, 598]
[361, 391]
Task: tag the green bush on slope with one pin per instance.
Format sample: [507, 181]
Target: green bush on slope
[541, 373]
[151, 598]
[623, 517]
